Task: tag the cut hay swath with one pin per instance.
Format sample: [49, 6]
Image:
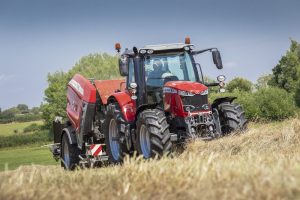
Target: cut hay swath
[263, 163]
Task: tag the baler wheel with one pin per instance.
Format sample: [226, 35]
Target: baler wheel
[69, 154]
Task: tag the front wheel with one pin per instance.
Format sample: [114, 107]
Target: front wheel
[232, 117]
[153, 135]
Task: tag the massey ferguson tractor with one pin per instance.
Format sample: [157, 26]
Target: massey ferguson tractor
[161, 102]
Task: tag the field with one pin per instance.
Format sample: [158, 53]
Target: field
[263, 163]
[23, 149]
[8, 129]
[11, 158]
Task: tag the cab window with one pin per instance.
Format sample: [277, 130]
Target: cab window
[131, 77]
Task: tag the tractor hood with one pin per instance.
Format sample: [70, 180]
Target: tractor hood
[189, 86]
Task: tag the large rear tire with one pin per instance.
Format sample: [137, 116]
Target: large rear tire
[69, 154]
[153, 135]
[114, 148]
[232, 117]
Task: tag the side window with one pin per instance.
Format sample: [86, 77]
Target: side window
[131, 77]
[199, 70]
[190, 70]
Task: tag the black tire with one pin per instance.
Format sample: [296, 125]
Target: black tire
[232, 117]
[154, 122]
[69, 154]
[113, 115]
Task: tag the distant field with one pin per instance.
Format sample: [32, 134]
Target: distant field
[14, 157]
[8, 129]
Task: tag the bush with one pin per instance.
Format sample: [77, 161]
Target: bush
[32, 127]
[240, 84]
[264, 104]
[275, 103]
[17, 140]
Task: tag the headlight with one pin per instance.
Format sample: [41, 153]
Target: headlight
[187, 48]
[221, 78]
[205, 92]
[222, 90]
[150, 51]
[185, 93]
[143, 51]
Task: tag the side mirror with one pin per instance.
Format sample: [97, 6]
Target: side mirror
[217, 59]
[123, 65]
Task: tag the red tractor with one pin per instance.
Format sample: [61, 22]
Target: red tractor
[163, 101]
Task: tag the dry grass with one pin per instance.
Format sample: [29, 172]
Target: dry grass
[263, 163]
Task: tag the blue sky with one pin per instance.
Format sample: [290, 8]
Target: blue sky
[38, 37]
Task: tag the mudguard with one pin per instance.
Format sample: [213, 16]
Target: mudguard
[108, 87]
[127, 105]
[218, 101]
[70, 132]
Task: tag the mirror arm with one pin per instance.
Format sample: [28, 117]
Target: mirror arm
[211, 84]
[202, 51]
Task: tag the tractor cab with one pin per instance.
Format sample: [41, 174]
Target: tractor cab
[150, 68]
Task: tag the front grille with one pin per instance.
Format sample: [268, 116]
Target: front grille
[195, 103]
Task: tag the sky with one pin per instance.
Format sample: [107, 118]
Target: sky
[38, 37]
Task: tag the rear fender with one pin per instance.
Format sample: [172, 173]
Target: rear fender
[144, 107]
[218, 101]
[70, 132]
[127, 105]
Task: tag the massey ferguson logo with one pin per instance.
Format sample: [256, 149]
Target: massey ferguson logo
[76, 86]
[169, 90]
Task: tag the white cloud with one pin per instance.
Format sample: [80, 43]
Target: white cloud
[6, 77]
[231, 65]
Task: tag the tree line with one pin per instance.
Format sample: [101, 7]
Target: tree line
[20, 113]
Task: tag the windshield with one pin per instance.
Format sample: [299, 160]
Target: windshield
[168, 67]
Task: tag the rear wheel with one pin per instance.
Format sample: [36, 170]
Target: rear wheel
[112, 133]
[232, 117]
[69, 154]
[153, 135]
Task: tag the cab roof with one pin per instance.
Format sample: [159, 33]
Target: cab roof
[158, 48]
[163, 47]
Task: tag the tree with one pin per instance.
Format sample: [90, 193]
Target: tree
[55, 97]
[287, 71]
[23, 108]
[8, 115]
[297, 95]
[35, 110]
[240, 84]
[263, 81]
[98, 66]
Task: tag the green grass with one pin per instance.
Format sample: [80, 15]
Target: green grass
[8, 129]
[11, 158]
